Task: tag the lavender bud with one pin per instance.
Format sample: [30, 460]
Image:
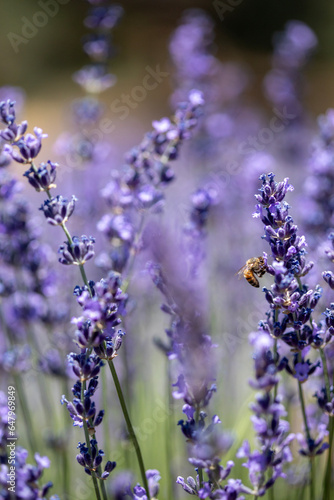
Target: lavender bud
[78, 252]
[44, 178]
[58, 210]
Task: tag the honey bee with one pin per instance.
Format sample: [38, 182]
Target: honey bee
[253, 266]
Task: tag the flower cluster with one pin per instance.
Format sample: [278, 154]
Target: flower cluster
[138, 188]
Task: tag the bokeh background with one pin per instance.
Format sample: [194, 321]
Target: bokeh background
[45, 64]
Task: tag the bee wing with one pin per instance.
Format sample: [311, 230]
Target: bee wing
[240, 273]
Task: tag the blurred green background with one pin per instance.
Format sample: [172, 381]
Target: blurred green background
[44, 65]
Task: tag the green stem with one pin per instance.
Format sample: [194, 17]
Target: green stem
[271, 493]
[308, 435]
[65, 475]
[200, 471]
[95, 483]
[99, 470]
[169, 436]
[126, 384]
[130, 428]
[328, 471]
[200, 477]
[312, 497]
[302, 403]
[84, 278]
[275, 350]
[326, 374]
[105, 422]
[275, 361]
[103, 488]
[67, 233]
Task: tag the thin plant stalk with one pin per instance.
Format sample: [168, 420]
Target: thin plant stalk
[99, 470]
[127, 393]
[200, 471]
[275, 361]
[275, 354]
[272, 493]
[130, 428]
[328, 473]
[168, 437]
[328, 470]
[106, 430]
[95, 483]
[65, 474]
[308, 435]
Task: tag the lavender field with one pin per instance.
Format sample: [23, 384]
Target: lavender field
[166, 255]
